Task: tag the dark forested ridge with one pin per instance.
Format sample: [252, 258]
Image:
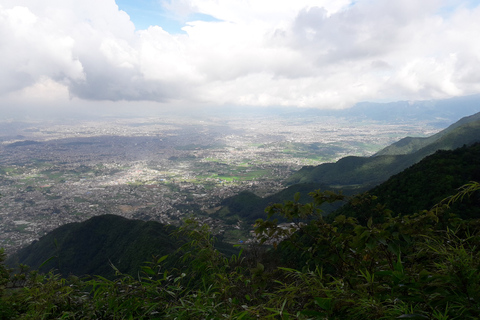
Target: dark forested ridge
[97, 244]
[426, 184]
[91, 247]
[431, 180]
[248, 207]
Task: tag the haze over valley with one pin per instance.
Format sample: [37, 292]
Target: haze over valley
[168, 167]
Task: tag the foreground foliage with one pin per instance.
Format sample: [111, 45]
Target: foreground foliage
[420, 266]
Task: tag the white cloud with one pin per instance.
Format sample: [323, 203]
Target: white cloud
[45, 90]
[32, 49]
[307, 53]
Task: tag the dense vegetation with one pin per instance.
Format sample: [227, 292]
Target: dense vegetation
[419, 266]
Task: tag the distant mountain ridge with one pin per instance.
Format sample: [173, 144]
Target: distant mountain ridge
[412, 144]
[442, 110]
[438, 113]
[370, 171]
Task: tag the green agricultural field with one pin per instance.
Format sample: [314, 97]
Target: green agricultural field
[11, 171]
[238, 174]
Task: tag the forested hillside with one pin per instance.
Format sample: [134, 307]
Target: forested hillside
[91, 247]
[425, 184]
[370, 171]
[102, 243]
[431, 180]
[248, 207]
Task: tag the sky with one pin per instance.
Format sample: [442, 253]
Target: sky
[326, 54]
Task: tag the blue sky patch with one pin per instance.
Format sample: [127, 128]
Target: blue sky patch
[146, 13]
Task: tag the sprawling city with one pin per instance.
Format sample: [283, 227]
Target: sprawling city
[162, 168]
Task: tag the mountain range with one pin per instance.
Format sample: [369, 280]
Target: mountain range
[435, 112]
[370, 171]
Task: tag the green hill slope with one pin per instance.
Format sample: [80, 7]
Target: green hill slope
[249, 207]
[370, 171]
[352, 174]
[409, 145]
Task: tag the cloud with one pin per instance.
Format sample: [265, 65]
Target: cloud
[32, 49]
[310, 53]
